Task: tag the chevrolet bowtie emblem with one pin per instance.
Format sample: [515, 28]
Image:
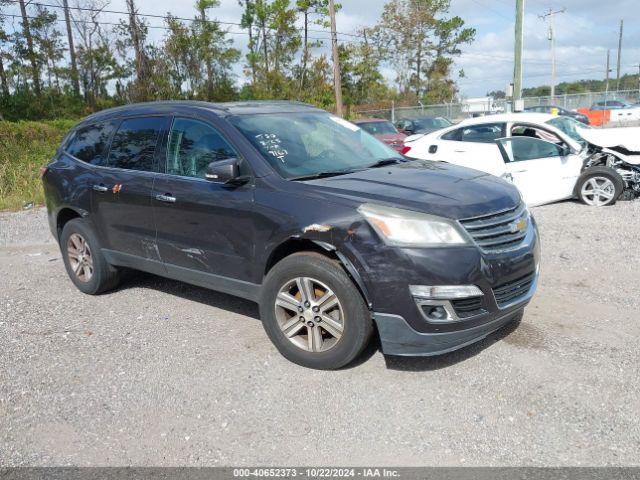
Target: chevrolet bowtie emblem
[519, 226]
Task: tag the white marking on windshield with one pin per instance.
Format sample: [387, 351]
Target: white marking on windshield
[273, 145]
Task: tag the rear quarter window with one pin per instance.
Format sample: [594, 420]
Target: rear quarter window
[90, 143]
[452, 135]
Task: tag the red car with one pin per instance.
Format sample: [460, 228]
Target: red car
[383, 130]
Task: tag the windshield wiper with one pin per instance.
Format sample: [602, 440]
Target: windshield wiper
[386, 161]
[326, 174]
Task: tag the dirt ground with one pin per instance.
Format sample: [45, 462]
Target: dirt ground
[162, 373]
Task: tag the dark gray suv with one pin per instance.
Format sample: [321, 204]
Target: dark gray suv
[337, 236]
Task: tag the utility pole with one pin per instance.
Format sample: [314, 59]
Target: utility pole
[336, 60]
[72, 52]
[619, 56]
[517, 64]
[551, 15]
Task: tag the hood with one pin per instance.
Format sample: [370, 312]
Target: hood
[437, 188]
[626, 137]
[391, 137]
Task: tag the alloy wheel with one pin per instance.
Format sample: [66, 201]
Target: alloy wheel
[309, 314]
[80, 258]
[598, 191]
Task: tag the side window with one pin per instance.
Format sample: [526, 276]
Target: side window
[529, 148]
[192, 146]
[452, 135]
[534, 132]
[486, 133]
[134, 144]
[89, 143]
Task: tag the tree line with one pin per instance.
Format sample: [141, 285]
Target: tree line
[627, 82]
[68, 58]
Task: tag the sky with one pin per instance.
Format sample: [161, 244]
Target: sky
[584, 32]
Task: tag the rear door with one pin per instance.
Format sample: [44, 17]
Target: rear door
[121, 199]
[473, 146]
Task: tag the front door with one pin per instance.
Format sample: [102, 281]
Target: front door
[205, 229]
[121, 196]
[543, 171]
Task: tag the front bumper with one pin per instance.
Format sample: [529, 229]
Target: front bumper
[403, 327]
[398, 338]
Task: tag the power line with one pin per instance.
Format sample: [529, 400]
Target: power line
[507, 59]
[486, 7]
[157, 27]
[167, 17]
[590, 70]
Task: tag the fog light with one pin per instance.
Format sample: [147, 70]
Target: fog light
[437, 313]
[445, 292]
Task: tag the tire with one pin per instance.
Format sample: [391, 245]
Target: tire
[608, 182]
[341, 327]
[95, 275]
[627, 195]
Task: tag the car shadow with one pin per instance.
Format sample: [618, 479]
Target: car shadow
[425, 364]
[211, 298]
[240, 306]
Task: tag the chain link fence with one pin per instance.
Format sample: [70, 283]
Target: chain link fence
[487, 106]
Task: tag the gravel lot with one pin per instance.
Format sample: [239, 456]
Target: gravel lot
[162, 373]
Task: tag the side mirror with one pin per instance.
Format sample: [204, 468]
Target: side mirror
[224, 171]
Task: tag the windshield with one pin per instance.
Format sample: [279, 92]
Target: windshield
[569, 127]
[306, 144]
[437, 122]
[378, 128]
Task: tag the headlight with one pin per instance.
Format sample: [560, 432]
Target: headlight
[407, 228]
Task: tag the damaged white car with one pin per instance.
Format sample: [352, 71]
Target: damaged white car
[548, 157]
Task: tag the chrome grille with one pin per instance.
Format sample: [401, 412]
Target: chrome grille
[512, 291]
[498, 231]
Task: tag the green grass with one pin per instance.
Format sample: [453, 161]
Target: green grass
[25, 147]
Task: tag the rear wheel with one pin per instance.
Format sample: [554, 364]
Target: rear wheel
[599, 186]
[313, 313]
[86, 266]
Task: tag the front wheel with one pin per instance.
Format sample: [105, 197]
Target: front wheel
[599, 186]
[313, 313]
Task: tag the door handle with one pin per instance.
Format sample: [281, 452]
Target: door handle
[101, 188]
[460, 151]
[167, 198]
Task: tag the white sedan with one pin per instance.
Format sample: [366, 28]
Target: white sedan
[548, 157]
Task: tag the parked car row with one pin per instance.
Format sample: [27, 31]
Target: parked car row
[336, 236]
